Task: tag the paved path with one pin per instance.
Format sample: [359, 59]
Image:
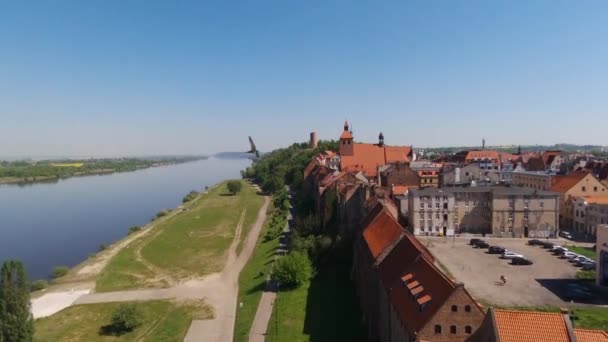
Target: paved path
[259, 328]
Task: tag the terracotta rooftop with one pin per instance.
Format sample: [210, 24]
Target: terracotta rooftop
[368, 157]
[565, 183]
[585, 335]
[518, 326]
[400, 189]
[381, 232]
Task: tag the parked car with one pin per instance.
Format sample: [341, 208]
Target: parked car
[588, 266]
[558, 250]
[546, 244]
[566, 235]
[472, 242]
[580, 260]
[521, 261]
[482, 244]
[510, 255]
[496, 250]
[577, 257]
[568, 255]
[534, 242]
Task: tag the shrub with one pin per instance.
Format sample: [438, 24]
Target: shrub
[134, 229]
[103, 247]
[234, 186]
[190, 196]
[585, 275]
[60, 271]
[293, 270]
[39, 285]
[124, 319]
[162, 213]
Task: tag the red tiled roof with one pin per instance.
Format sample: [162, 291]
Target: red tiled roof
[484, 154]
[381, 232]
[346, 135]
[564, 183]
[548, 156]
[586, 335]
[367, 157]
[517, 326]
[400, 189]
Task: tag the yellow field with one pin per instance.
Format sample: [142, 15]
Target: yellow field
[67, 164]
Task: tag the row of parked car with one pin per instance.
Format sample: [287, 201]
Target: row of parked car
[516, 259]
[563, 252]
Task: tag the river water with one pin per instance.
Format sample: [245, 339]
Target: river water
[47, 225]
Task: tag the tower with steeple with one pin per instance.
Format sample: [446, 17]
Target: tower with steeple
[346, 141]
[381, 139]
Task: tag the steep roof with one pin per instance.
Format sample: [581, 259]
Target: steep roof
[381, 232]
[586, 335]
[368, 157]
[517, 326]
[548, 156]
[481, 154]
[564, 183]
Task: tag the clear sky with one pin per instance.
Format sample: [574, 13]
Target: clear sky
[145, 77]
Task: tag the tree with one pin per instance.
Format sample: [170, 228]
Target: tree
[234, 186]
[124, 319]
[293, 270]
[16, 323]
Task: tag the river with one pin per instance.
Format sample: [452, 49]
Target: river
[47, 225]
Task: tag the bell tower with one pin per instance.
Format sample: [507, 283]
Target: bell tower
[346, 141]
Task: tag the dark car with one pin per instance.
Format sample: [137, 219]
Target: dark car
[521, 261]
[534, 242]
[496, 250]
[472, 242]
[482, 244]
[547, 245]
[476, 243]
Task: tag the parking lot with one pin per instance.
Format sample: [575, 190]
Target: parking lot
[549, 281]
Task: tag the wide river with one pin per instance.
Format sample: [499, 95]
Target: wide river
[47, 225]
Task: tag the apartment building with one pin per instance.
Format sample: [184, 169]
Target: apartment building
[496, 210]
[589, 212]
[539, 180]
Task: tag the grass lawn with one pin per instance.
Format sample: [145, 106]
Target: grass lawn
[588, 252]
[162, 321]
[586, 318]
[190, 243]
[325, 309]
[252, 281]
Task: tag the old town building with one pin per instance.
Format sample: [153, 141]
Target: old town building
[403, 295]
[497, 210]
[589, 212]
[539, 180]
[602, 255]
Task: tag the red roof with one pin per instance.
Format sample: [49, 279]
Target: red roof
[565, 183]
[346, 135]
[367, 157]
[517, 326]
[400, 189]
[548, 156]
[484, 154]
[586, 335]
[381, 232]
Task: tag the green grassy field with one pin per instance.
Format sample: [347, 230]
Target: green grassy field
[586, 318]
[588, 252]
[252, 281]
[325, 309]
[190, 243]
[162, 321]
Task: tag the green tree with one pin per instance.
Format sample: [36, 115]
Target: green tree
[16, 323]
[125, 318]
[234, 186]
[293, 270]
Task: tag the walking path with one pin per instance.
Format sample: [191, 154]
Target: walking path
[259, 328]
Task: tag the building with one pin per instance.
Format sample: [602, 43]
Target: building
[313, 140]
[428, 172]
[518, 326]
[589, 212]
[403, 295]
[367, 158]
[539, 180]
[497, 210]
[398, 174]
[553, 160]
[602, 255]
[467, 174]
[575, 184]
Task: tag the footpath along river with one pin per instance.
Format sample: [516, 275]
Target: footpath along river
[47, 225]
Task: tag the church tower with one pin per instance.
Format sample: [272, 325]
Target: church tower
[346, 141]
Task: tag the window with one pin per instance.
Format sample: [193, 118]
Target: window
[466, 212]
[474, 203]
[595, 188]
[430, 224]
[511, 229]
[437, 205]
[437, 216]
[428, 205]
[584, 189]
[452, 329]
[525, 216]
[526, 203]
[511, 203]
[541, 204]
[510, 216]
[445, 198]
[454, 308]
[467, 308]
[445, 205]
[467, 329]
[421, 205]
[437, 198]
[429, 215]
[437, 329]
[466, 203]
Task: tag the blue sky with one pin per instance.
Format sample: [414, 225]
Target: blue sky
[145, 77]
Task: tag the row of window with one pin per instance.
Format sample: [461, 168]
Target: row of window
[453, 329]
[428, 205]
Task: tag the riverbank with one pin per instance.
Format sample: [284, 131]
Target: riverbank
[54, 172]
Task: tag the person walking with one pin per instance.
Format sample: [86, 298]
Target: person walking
[503, 279]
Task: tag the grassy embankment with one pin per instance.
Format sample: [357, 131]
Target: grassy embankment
[161, 321]
[586, 251]
[324, 309]
[189, 244]
[252, 281]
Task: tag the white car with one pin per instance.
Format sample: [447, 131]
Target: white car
[568, 255]
[511, 255]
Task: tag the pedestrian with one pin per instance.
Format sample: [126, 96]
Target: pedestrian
[503, 279]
